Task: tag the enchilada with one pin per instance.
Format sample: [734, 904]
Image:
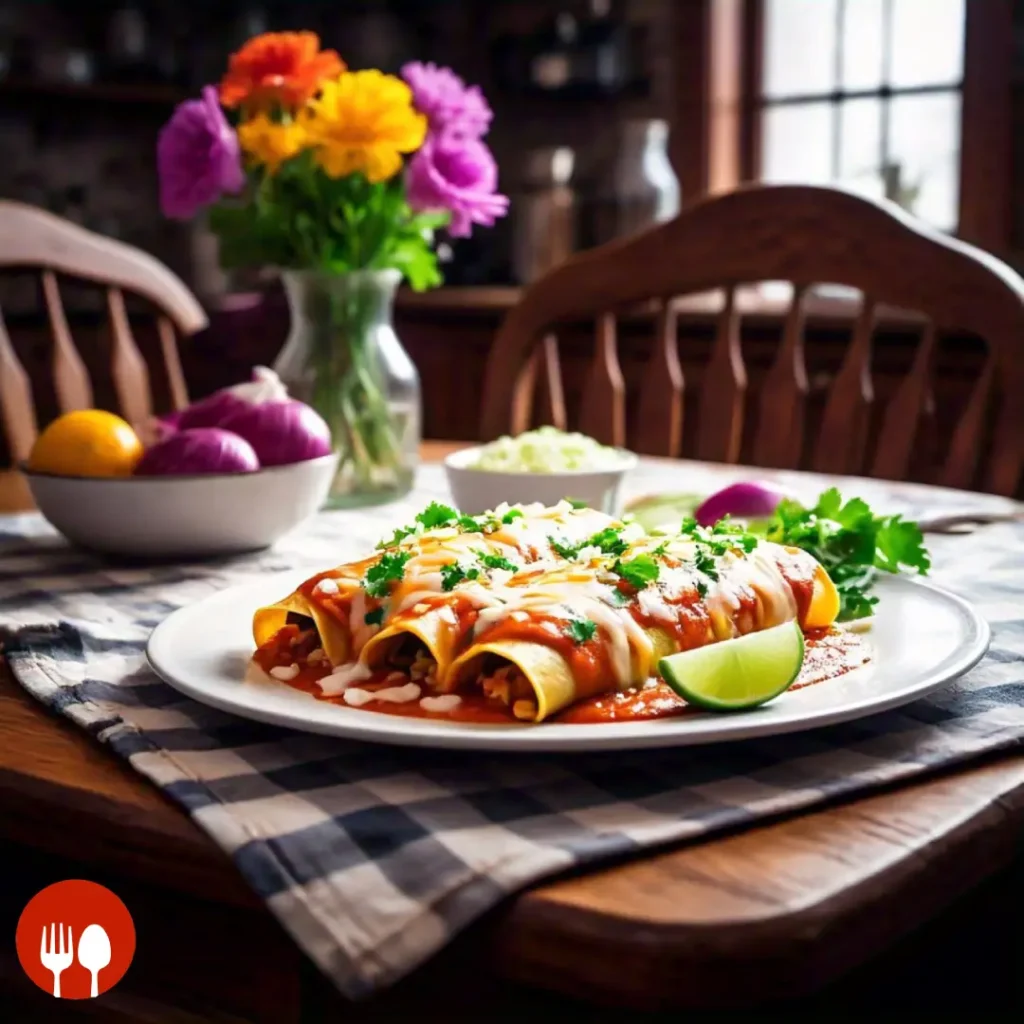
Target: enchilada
[526, 613]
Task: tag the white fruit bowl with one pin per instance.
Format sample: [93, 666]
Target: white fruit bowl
[183, 516]
[479, 490]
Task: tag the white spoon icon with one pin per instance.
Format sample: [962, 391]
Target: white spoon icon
[94, 953]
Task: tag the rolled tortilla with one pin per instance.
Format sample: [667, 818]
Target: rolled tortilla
[549, 683]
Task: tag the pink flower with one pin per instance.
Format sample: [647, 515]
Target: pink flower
[198, 157]
[446, 99]
[457, 173]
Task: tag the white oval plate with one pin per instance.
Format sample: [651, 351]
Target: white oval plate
[923, 638]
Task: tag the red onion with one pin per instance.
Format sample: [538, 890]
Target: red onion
[281, 432]
[200, 450]
[748, 499]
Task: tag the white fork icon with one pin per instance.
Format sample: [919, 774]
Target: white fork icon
[59, 955]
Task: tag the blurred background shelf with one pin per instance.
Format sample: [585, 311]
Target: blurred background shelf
[97, 92]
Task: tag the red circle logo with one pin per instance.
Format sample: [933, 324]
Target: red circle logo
[75, 939]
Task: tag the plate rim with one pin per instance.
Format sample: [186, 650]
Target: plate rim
[584, 738]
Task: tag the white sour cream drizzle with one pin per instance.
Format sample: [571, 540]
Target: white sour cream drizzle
[573, 590]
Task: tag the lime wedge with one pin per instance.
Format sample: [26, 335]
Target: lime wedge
[733, 675]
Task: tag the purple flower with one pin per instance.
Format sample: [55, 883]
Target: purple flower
[446, 99]
[197, 157]
[456, 172]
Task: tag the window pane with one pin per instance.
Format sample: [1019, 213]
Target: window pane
[927, 42]
[863, 28]
[799, 47]
[924, 156]
[860, 146]
[798, 143]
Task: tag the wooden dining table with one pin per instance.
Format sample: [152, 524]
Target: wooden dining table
[775, 911]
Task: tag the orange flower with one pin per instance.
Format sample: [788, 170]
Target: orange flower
[278, 67]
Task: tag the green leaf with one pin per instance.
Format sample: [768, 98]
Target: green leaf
[453, 574]
[828, 506]
[511, 514]
[705, 563]
[638, 572]
[899, 544]
[609, 540]
[491, 561]
[397, 537]
[389, 569]
[569, 551]
[581, 630]
[852, 543]
[436, 514]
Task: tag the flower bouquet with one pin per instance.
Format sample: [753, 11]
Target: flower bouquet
[340, 179]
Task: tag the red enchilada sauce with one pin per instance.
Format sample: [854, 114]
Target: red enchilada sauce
[828, 653]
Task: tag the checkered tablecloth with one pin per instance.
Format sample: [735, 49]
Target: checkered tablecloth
[374, 857]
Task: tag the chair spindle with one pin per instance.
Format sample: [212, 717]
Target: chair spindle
[70, 377]
[17, 408]
[660, 415]
[902, 417]
[723, 390]
[843, 435]
[127, 367]
[603, 415]
[172, 362]
[780, 426]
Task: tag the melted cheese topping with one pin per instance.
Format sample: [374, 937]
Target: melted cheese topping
[548, 585]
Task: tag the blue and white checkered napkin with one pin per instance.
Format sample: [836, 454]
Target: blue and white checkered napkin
[374, 857]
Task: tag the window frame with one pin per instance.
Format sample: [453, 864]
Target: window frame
[717, 132]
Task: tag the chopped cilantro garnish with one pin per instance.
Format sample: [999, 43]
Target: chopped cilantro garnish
[397, 537]
[609, 540]
[638, 572]
[569, 551]
[374, 618]
[512, 513]
[661, 548]
[581, 630]
[705, 562]
[689, 526]
[469, 524]
[389, 569]
[852, 543]
[436, 514]
[453, 574]
[489, 561]
[576, 503]
[620, 597]
[702, 588]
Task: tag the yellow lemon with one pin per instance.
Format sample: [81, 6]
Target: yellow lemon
[87, 442]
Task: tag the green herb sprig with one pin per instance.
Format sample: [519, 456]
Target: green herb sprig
[580, 630]
[389, 569]
[455, 573]
[852, 543]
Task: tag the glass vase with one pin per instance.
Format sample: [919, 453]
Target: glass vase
[343, 358]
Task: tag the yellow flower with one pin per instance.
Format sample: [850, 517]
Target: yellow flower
[364, 121]
[271, 142]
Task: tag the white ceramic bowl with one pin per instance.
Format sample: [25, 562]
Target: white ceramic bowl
[478, 490]
[183, 516]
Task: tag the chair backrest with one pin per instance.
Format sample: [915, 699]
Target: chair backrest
[32, 238]
[807, 236]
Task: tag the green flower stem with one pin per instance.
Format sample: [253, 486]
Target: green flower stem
[347, 384]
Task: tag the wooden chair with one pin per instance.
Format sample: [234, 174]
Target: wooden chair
[805, 235]
[33, 238]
